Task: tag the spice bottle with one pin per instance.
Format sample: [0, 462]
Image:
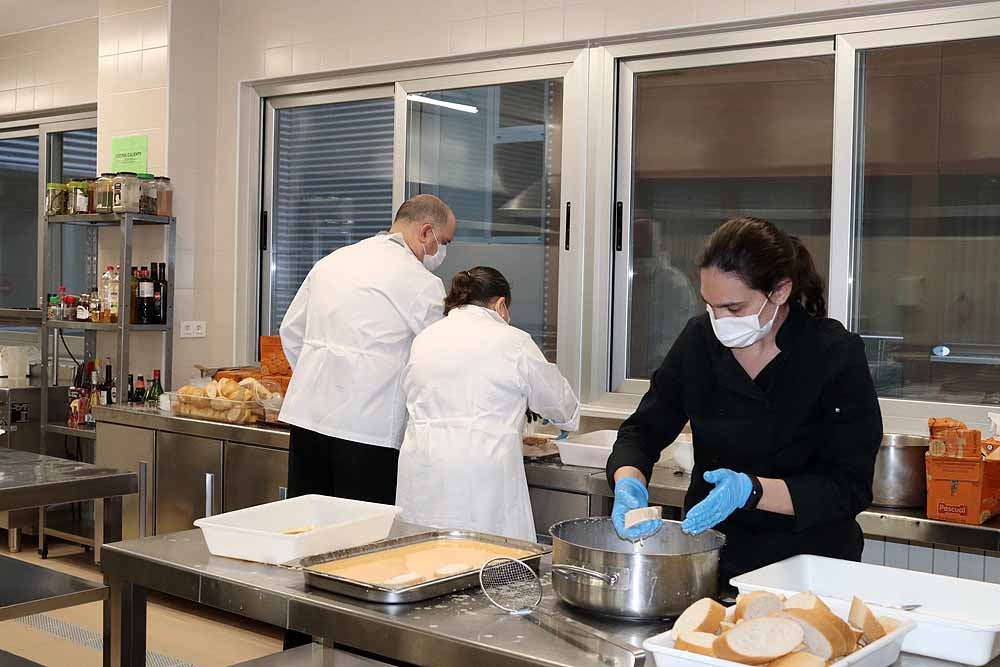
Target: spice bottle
[102, 190]
[164, 196]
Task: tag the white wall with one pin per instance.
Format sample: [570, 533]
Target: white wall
[36, 75]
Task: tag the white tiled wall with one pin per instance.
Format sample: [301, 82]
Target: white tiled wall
[48, 68]
[965, 563]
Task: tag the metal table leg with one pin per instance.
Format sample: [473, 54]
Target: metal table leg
[107, 524]
[14, 540]
[124, 624]
[43, 548]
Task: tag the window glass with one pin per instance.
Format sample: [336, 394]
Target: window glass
[710, 143]
[18, 222]
[927, 283]
[332, 187]
[493, 154]
[73, 254]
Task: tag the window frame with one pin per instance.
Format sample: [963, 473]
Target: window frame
[628, 71]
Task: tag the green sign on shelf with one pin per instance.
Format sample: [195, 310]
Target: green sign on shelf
[130, 153]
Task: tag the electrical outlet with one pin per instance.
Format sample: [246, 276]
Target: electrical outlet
[193, 329]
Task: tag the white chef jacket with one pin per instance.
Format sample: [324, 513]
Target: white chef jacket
[347, 335]
[468, 382]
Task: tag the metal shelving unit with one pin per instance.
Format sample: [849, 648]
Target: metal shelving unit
[123, 330]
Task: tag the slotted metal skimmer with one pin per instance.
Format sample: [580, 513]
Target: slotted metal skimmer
[511, 585]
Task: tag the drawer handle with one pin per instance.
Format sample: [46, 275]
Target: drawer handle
[209, 493]
[143, 490]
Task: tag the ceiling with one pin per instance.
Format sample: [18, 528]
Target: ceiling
[22, 15]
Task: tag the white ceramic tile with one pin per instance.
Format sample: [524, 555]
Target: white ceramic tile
[107, 36]
[24, 100]
[8, 101]
[461, 10]
[817, 5]
[334, 55]
[584, 20]
[874, 552]
[992, 563]
[531, 5]
[155, 27]
[468, 36]
[307, 58]
[26, 69]
[770, 7]
[109, 7]
[543, 26]
[972, 564]
[921, 558]
[945, 560]
[184, 270]
[505, 31]
[897, 554]
[278, 62]
[8, 74]
[497, 7]
[44, 96]
[107, 74]
[129, 31]
[129, 74]
[154, 67]
[713, 11]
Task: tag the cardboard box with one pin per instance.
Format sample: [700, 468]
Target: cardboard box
[962, 490]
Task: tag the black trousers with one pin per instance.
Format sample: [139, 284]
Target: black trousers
[329, 466]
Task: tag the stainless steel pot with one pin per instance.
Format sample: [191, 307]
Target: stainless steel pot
[900, 471]
[594, 569]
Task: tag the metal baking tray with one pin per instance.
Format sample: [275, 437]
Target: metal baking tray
[419, 592]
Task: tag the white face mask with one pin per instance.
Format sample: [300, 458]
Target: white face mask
[739, 332]
[432, 262]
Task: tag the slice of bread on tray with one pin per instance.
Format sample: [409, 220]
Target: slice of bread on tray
[759, 641]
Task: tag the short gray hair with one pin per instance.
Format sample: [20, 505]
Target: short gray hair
[423, 209]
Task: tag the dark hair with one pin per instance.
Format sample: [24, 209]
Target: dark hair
[762, 256]
[424, 208]
[478, 287]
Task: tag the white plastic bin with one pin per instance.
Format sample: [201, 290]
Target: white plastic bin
[881, 653]
[959, 620]
[255, 533]
[590, 450]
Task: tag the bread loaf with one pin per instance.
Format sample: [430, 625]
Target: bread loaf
[806, 601]
[635, 517]
[862, 618]
[757, 605]
[705, 615]
[822, 638]
[800, 659]
[759, 641]
[696, 642]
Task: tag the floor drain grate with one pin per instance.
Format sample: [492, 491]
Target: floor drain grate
[86, 637]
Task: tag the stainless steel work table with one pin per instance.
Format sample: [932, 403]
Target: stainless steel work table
[669, 485]
[453, 631]
[156, 419]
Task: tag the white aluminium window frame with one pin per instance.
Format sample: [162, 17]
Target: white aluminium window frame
[572, 209]
[621, 243]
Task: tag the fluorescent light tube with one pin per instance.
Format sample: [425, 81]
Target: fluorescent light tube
[441, 103]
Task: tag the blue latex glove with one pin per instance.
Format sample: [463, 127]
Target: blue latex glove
[631, 494]
[731, 492]
[563, 435]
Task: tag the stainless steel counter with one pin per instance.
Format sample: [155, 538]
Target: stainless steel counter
[669, 485]
[30, 480]
[455, 630]
[154, 419]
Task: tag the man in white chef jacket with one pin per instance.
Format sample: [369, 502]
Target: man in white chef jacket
[347, 335]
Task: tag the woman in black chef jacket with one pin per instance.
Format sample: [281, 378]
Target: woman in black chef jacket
[783, 412]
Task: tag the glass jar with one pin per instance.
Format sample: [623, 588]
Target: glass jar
[79, 197]
[125, 192]
[102, 192]
[164, 196]
[91, 195]
[147, 194]
[83, 308]
[56, 195]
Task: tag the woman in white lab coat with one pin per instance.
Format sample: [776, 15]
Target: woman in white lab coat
[468, 383]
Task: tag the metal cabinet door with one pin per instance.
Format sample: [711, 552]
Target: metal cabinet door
[124, 448]
[253, 475]
[549, 507]
[183, 463]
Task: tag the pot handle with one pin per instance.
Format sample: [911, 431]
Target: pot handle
[609, 579]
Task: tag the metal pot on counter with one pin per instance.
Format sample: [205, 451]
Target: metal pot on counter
[901, 472]
[594, 569]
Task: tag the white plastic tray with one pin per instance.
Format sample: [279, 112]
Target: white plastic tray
[959, 620]
[590, 450]
[255, 533]
[881, 653]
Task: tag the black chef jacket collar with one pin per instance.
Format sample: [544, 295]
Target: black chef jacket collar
[730, 374]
